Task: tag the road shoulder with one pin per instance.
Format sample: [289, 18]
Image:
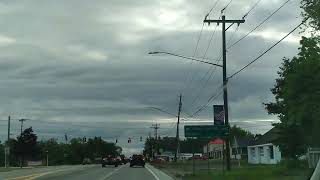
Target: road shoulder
[158, 174]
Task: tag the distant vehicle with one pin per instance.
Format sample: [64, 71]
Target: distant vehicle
[137, 160]
[124, 160]
[86, 161]
[110, 160]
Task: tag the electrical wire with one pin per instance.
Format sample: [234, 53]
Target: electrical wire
[259, 25]
[222, 10]
[265, 52]
[163, 111]
[197, 45]
[213, 70]
[212, 98]
[254, 6]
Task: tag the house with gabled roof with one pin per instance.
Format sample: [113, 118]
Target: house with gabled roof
[263, 151]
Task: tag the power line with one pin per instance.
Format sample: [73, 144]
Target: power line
[205, 53]
[163, 111]
[212, 98]
[260, 24]
[213, 69]
[214, 5]
[222, 10]
[254, 6]
[265, 52]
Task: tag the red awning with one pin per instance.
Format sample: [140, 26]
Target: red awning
[216, 141]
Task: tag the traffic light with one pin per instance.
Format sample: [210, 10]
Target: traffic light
[116, 140]
[140, 138]
[129, 140]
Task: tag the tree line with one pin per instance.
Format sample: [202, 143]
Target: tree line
[26, 147]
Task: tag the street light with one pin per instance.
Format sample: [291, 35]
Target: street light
[185, 57]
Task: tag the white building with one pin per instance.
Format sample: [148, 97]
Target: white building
[264, 154]
[263, 151]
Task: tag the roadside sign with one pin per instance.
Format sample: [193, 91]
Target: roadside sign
[218, 114]
[205, 131]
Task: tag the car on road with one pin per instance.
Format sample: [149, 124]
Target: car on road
[86, 161]
[110, 160]
[137, 160]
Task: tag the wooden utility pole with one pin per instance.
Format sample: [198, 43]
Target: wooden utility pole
[7, 148]
[21, 121]
[156, 127]
[223, 21]
[177, 135]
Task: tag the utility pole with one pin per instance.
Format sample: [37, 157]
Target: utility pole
[22, 120]
[223, 21]
[7, 149]
[9, 118]
[177, 136]
[156, 127]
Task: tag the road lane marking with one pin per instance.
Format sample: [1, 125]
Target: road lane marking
[154, 175]
[111, 173]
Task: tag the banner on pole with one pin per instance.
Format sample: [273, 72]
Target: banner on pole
[218, 114]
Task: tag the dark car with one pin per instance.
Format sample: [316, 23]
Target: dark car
[137, 160]
[110, 160]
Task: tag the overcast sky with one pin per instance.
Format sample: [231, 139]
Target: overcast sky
[82, 67]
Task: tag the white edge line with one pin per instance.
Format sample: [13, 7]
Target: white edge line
[154, 175]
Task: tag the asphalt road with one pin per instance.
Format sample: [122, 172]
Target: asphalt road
[88, 172]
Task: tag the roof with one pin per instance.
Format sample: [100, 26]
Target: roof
[242, 141]
[216, 141]
[268, 137]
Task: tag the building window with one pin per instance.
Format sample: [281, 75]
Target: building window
[271, 152]
[253, 152]
[261, 151]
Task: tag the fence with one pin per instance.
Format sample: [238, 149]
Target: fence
[313, 157]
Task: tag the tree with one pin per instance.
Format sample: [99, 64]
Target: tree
[236, 131]
[26, 145]
[297, 99]
[312, 13]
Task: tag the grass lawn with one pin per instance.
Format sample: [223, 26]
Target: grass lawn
[254, 173]
[245, 172]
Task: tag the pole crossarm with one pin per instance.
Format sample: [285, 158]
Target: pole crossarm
[218, 21]
[185, 57]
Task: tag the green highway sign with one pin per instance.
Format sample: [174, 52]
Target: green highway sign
[205, 131]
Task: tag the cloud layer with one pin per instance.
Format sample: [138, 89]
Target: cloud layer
[82, 68]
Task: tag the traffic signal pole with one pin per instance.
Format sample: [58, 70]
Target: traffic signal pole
[223, 21]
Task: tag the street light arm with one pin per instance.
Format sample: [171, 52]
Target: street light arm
[185, 57]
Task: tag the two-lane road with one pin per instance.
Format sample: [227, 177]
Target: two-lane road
[90, 172]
